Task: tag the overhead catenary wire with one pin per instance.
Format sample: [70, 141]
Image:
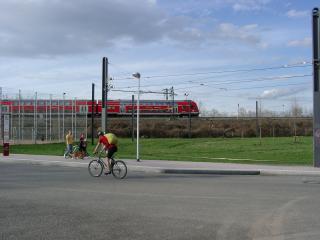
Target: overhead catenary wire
[201, 84]
[257, 87]
[285, 66]
[248, 80]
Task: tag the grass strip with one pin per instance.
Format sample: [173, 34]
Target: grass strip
[282, 151]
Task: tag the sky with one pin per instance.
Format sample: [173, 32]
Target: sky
[223, 54]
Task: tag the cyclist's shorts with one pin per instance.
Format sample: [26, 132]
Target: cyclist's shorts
[111, 151]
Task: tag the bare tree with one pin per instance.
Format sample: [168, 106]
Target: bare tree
[296, 109]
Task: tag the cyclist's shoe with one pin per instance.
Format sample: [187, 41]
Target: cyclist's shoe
[107, 173]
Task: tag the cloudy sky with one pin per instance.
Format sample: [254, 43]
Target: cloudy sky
[220, 53]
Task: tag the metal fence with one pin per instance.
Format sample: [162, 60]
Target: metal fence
[45, 122]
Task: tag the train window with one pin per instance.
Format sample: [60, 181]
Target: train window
[83, 109]
[5, 109]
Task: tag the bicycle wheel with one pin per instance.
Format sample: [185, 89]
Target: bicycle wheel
[119, 169]
[95, 168]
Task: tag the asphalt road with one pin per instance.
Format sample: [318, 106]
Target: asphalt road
[52, 202]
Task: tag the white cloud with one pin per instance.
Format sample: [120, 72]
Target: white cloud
[297, 14]
[49, 28]
[246, 33]
[276, 93]
[249, 5]
[306, 42]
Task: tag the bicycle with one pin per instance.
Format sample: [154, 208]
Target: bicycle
[76, 153]
[118, 167]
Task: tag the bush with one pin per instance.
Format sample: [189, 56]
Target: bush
[162, 128]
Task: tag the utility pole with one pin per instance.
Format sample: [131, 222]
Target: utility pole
[132, 119]
[257, 119]
[316, 93]
[189, 118]
[35, 118]
[50, 118]
[172, 94]
[166, 93]
[92, 114]
[19, 132]
[104, 112]
[1, 130]
[72, 118]
[63, 110]
[75, 117]
[46, 105]
[59, 135]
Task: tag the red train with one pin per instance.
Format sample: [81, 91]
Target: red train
[115, 107]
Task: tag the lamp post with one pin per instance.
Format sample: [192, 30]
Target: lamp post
[137, 75]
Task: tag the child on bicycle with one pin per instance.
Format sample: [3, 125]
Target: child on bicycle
[109, 142]
[83, 145]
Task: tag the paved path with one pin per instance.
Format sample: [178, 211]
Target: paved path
[162, 166]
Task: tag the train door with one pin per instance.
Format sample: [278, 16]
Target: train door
[122, 108]
[175, 108]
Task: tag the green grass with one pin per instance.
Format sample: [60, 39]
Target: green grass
[274, 151]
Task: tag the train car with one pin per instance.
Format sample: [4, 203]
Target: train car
[115, 107]
[160, 108]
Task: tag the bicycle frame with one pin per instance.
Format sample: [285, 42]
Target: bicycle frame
[101, 159]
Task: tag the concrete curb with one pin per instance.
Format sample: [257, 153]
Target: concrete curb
[216, 172]
[289, 173]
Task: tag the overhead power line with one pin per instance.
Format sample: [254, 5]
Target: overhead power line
[257, 87]
[115, 90]
[202, 84]
[247, 80]
[286, 66]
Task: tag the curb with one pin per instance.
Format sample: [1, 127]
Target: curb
[216, 172]
[289, 173]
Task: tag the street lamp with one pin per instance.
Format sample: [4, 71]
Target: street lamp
[137, 75]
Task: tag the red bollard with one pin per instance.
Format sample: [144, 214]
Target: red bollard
[6, 149]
